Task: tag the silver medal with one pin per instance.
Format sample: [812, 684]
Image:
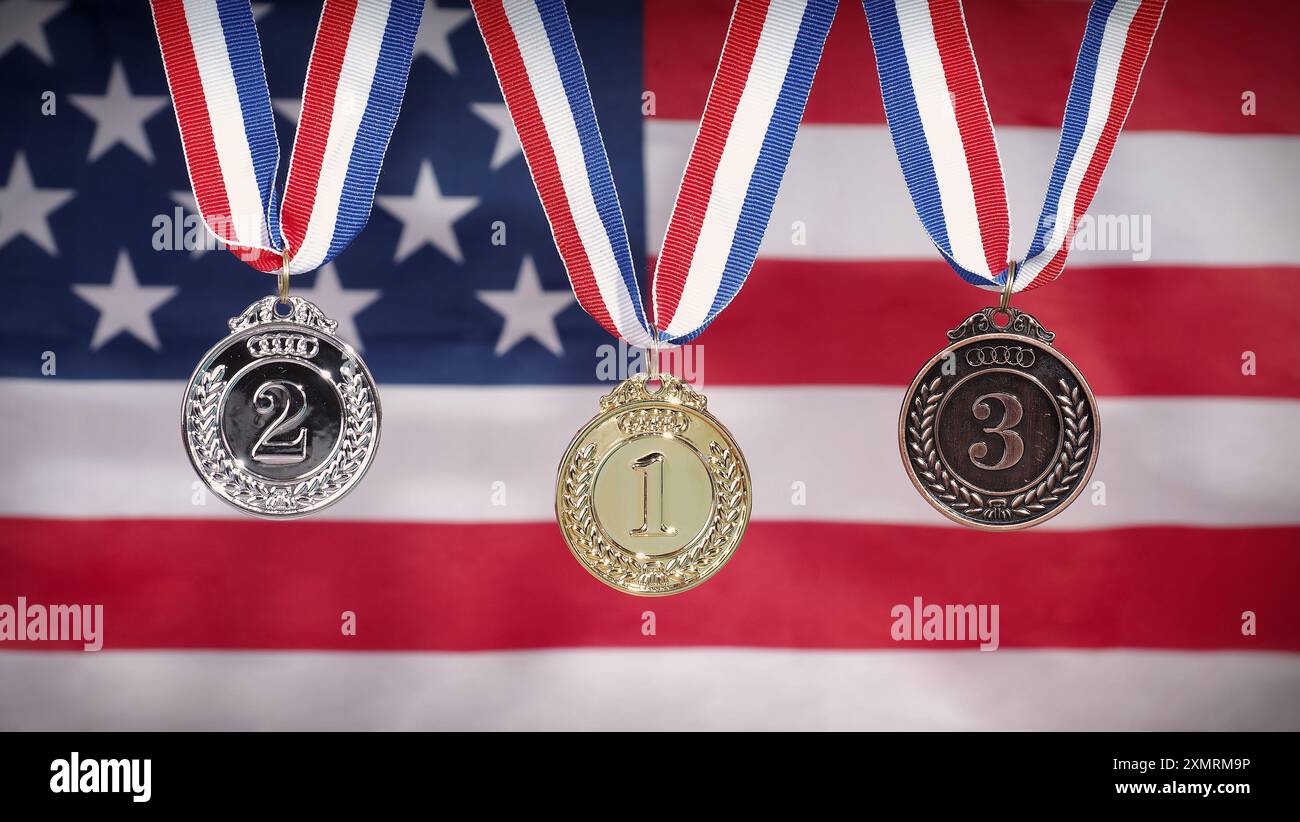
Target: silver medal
[281, 418]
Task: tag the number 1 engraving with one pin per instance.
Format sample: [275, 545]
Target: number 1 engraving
[287, 398]
[1013, 447]
[652, 504]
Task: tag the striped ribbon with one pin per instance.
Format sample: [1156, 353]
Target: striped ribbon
[355, 81]
[731, 180]
[943, 134]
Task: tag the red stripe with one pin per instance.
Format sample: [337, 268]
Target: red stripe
[1148, 330]
[976, 130]
[191, 106]
[314, 122]
[697, 184]
[249, 584]
[516, 87]
[1026, 51]
[1137, 45]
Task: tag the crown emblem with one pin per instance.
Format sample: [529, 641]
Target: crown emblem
[653, 421]
[671, 389]
[283, 344]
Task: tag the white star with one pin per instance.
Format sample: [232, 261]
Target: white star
[260, 10]
[287, 107]
[125, 305]
[119, 116]
[435, 29]
[25, 209]
[498, 116]
[427, 216]
[340, 304]
[529, 311]
[22, 22]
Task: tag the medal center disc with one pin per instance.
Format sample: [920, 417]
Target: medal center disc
[282, 418]
[999, 430]
[653, 495]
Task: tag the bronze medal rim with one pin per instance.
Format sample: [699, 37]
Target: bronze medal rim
[596, 421]
[956, 516]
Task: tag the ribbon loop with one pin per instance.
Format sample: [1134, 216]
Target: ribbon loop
[939, 120]
[729, 187]
[356, 78]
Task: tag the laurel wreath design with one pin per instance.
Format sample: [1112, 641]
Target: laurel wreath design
[246, 489]
[952, 491]
[653, 575]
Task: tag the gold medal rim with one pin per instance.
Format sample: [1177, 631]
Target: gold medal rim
[591, 425]
[925, 492]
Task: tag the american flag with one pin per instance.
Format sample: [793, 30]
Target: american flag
[1165, 597]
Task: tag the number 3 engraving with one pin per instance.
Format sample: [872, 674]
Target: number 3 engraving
[1013, 447]
[288, 399]
[652, 504]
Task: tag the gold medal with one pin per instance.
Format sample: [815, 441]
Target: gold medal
[653, 495]
[999, 430]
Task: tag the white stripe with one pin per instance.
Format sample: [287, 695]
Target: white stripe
[749, 129]
[692, 689]
[1244, 182]
[1099, 103]
[355, 79]
[562, 130]
[1230, 462]
[247, 217]
[947, 152]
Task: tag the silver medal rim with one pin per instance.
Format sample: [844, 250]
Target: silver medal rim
[239, 336]
[956, 516]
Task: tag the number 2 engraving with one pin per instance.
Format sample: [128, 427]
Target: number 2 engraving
[652, 497]
[1013, 447]
[290, 401]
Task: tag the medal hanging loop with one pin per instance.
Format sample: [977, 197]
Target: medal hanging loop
[283, 290]
[1007, 288]
[943, 134]
[729, 187]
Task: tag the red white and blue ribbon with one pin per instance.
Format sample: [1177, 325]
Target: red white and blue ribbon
[731, 180]
[943, 134]
[355, 81]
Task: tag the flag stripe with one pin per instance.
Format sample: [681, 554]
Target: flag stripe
[1252, 53]
[1203, 461]
[693, 689]
[1225, 214]
[797, 585]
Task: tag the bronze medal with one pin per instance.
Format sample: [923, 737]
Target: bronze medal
[999, 430]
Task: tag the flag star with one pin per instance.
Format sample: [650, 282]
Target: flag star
[340, 304]
[528, 310]
[22, 22]
[125, 305]
[427, 216]
[260, 10]
[119, 116]
[25, 209]
[288, 107]
[433, 41]
[498, 116]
